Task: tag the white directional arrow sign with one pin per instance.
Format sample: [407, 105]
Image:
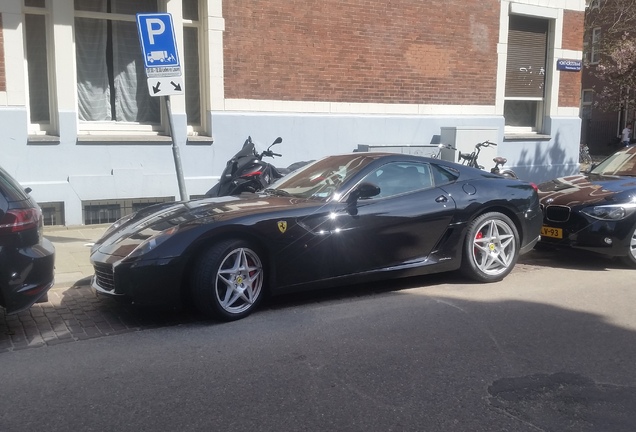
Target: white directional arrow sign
[164, 86]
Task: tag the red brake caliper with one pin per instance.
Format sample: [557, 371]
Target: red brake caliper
[479, 236]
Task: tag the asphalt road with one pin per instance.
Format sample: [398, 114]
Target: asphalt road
[550, 348]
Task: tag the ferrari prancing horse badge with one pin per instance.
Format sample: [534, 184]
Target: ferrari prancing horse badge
[282, 226]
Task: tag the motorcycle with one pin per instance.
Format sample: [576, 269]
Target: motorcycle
[247, 172]
[471, 160]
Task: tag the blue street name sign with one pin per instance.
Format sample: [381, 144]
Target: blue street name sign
[159, 46]
[569, 65]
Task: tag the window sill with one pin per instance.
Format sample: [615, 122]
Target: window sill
[139, 140]
[43, 140]
[200, 140]
[526, 137]
[123, 140]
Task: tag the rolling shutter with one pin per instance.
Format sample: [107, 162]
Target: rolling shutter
[526, 67]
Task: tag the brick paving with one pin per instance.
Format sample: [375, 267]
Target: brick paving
[77, 313]
[74, 312]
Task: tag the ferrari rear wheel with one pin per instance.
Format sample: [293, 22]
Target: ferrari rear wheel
[227, 282]
[630, 259]
[491, 248]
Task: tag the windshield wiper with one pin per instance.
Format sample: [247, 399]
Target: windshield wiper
[278, 192]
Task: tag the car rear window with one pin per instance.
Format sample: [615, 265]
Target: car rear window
[11, 189]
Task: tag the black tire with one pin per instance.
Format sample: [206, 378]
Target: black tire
[491, 248]
[630, 259]
[227, 281]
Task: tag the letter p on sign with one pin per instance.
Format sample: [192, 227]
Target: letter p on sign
[155, 27]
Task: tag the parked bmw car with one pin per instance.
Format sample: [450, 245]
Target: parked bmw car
[26, 258]
[343, 219]
[594, 211]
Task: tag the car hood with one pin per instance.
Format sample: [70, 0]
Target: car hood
[122, 238]
[586, 189]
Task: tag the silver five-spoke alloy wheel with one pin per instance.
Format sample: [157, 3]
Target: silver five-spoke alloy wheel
[495, 247]
[239, 280]
[227, 280]
[491, 248]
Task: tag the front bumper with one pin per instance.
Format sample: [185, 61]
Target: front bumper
[148, 282]
[26, 275]
[611, 238]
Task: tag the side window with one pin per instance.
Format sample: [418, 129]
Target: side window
[443, 175]
[396, 178]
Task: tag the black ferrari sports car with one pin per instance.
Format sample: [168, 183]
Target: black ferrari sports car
[342, 219]
[594, 211]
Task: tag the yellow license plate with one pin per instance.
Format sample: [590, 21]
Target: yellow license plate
[547, 231]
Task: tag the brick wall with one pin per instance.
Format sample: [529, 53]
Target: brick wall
[570, 82]
[403, 51]
[3, 79]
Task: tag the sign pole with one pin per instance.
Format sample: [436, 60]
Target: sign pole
[163, 70]
[175, 154]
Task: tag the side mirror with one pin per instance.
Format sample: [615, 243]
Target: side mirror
[28, 190]
[277, 141]
[364, 190]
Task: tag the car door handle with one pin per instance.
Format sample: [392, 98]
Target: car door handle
[441, 199]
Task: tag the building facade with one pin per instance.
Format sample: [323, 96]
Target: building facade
[80, 128]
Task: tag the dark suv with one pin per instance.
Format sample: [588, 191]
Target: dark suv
[26, 258]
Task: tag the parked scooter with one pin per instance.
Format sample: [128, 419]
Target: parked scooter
[471, 159]
[247, 172]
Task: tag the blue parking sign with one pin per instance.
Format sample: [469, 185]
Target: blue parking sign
[158, 43]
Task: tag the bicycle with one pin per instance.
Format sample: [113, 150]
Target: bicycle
[584, 154]
[471, 160]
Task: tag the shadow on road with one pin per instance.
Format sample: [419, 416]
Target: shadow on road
[571, 259]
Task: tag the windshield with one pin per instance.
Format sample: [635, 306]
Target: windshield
[618, 164]
[320, 179]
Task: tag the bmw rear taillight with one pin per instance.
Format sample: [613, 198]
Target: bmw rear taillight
[18, 220]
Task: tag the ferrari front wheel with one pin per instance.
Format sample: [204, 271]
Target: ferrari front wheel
[491, 248]
[227, 282]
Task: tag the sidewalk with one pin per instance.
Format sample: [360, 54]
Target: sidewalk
[72, 249]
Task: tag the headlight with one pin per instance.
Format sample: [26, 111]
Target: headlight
[611, 212]
[152, 242]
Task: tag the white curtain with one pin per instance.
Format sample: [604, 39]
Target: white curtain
[110, 68]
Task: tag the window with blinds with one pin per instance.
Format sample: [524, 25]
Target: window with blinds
[527, 43]
[525, 72]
